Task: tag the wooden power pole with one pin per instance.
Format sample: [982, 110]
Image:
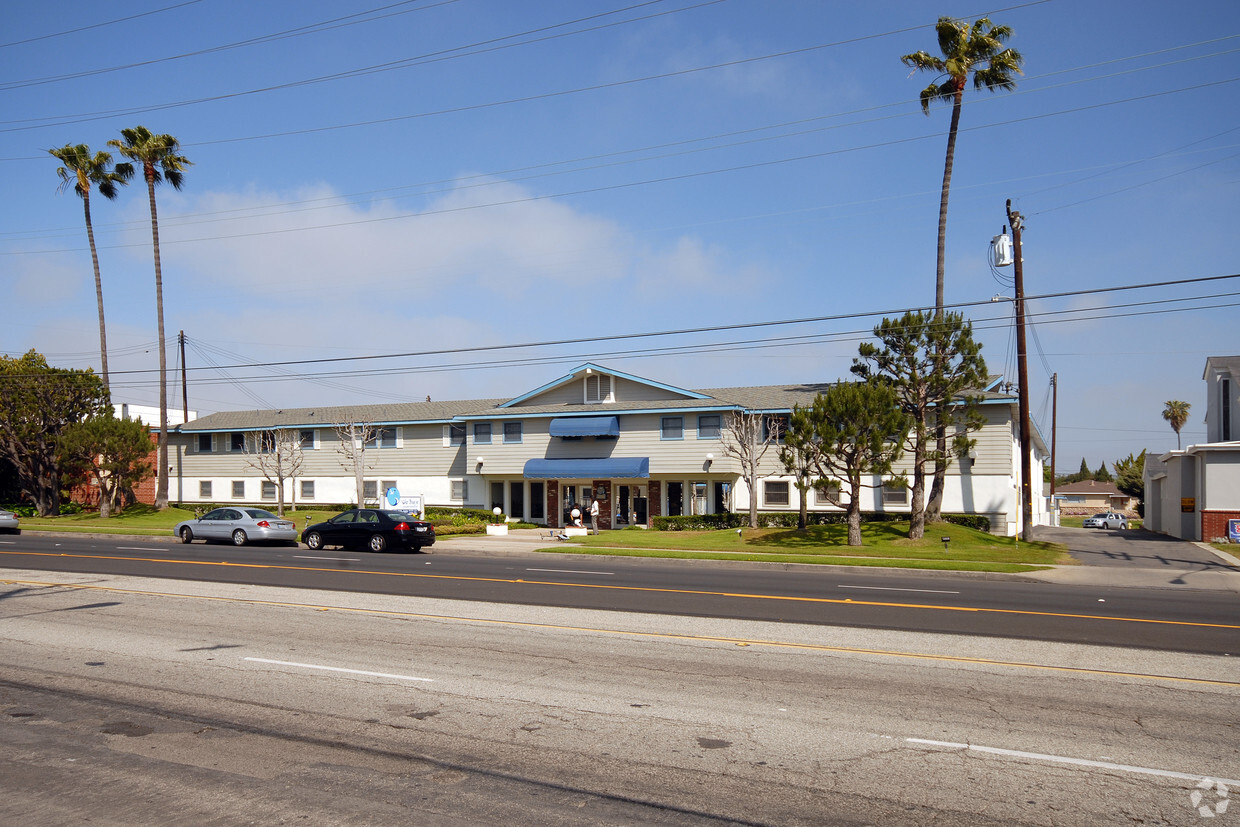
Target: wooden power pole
[1022, 366]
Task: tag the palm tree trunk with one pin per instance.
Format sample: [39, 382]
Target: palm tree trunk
[934, 509]
[94, 257]
[161, 486]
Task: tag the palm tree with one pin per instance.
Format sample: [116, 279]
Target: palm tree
[1176, 413]
[82, 169]
[975, 50]
[160, 162]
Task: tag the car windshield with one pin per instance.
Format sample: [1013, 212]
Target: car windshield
[260, 514]
[1100, 516]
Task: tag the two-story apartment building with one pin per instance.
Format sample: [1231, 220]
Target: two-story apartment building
[1193, 493]
[641, 447]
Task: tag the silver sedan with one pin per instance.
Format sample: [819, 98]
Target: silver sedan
[238, 525]
[9, 522]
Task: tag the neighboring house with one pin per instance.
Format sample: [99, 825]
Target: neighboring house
[1192, 493]
[144, 492]
[1090, 496]
[642, 447]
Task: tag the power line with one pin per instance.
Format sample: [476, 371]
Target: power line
[890, 313]
[97, 25]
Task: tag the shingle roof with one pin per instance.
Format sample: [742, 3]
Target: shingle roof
[1090, 487]
[387, 414]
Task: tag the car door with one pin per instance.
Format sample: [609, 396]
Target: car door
[208, 526]
[367, 524]
[340, 529]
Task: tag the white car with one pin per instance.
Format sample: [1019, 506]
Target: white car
[9, 522]
[1108, 520]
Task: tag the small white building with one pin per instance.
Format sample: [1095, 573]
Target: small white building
[1193, 493]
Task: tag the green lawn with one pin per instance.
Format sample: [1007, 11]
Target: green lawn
[883, 544]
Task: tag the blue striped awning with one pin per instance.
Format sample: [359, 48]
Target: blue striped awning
[585, 426]
[623, 468]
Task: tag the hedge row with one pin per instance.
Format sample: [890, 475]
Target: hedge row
[785, 519]
[27, 510]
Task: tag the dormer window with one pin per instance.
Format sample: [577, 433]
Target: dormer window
[598, 388]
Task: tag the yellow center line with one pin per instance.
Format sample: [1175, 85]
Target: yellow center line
[847, 601]
[777, 644]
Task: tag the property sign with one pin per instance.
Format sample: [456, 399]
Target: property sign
[1233, 531]
[1188, 505]
[408, 502]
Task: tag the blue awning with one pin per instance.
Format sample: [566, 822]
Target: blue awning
[585, 426]
[588, 469]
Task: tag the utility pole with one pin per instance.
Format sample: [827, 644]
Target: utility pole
[1026, 442]
[184, 388]
[1054, 427]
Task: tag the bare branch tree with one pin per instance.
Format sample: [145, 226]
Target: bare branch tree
[746, 439]
[278, 456]
[351, 440]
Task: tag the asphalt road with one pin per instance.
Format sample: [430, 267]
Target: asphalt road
[140, 701]
[1187, 620]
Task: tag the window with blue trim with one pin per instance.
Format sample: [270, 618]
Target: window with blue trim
[709, 426]
[482, 433]
[512, 432]
[672, 427]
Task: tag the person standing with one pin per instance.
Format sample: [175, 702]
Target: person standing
[594, 515]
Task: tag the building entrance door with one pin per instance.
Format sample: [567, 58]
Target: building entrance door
[675, 499]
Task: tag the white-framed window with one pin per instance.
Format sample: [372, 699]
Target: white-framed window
[238, 489]
[460, 490]
[206, 443]
[512, 432]
[672, 427]
[384, 485]
[269, 490]
[383, 438]
[370, 490]
[307, 489]
[204, 489]
[709, 426]
[266, 442]
[775, 492]
[895, 495]
[598, 388]
[236, 441]
[306, 438]
[482, 433]
[453, 434]
[831, 493]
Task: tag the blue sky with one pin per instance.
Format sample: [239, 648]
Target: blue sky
[437, 177]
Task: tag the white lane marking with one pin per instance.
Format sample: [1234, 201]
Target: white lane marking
[309, 557]
[1080, 762]
[338, 669]
[8, 542]
[893, 589]
[137, 548]
[574, 571]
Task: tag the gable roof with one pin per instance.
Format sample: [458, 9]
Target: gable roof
[590, 367]
[1223, 364]
[1090, 487]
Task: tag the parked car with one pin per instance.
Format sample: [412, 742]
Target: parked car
[9, 522]
[237, 525]
[372, 529]
[1108, 520]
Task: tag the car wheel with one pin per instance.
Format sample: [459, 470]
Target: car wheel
[239, 538]
[378, 542]
[187, 536]
[314, 541]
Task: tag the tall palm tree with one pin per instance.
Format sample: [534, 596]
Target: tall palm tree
[1176, 413]
[975, 50]
[160, 161]
[82, 170]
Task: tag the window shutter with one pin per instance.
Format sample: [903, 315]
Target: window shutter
[447, 436]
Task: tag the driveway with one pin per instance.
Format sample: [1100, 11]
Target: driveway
[1139, 557]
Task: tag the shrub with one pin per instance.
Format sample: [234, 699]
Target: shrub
[788, 519]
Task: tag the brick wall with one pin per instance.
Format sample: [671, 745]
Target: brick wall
[553, 504]
[1214, 523]
[654, 504]
[604, 503]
